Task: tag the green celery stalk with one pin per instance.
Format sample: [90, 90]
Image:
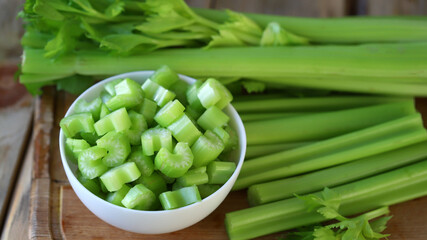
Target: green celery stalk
[384, 61]
[248, 117]
[253, 151]
[339, 30]
[334, 176]
[389, 188]
[323, 125]
[309, 104]
[345, 148]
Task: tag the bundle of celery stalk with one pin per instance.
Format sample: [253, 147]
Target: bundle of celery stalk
[336, 108]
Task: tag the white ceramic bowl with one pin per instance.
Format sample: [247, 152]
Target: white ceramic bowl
[151, 222]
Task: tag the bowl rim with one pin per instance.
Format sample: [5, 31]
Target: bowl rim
[229, 109]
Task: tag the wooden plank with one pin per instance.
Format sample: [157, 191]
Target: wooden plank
[16, 107]
[17, 221]
[40, 207]
[393, 7]
[306, 8]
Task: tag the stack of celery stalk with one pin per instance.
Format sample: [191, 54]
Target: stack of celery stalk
[325, 102]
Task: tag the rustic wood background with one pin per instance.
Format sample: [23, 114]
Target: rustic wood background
[35, 199]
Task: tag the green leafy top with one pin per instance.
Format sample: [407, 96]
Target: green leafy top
[367, 226]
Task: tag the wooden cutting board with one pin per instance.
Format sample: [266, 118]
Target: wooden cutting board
[57, 213]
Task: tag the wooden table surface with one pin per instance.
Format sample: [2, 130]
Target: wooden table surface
[35, 198]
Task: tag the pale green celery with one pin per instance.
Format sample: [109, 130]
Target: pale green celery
[405, 87]
[318, 126]
[148, 108]
[344, 148]
[345, 30]
[169, 113]
[253, 151]
[334, 176]
[184, 130]
[212, 118]
[247, 62]
[384, 61]
[139, 125]
[115, 178]
[385, 189]
[116, 121]
[309, 104]
[248, 117]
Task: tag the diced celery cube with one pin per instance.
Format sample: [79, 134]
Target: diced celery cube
[169, 113]
[206, 149]
[213, 117]
[116, 121]
[165, 77]
[184, 130]
[116, 177]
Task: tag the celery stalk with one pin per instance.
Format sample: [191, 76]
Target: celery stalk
[309, 104]
[253, 151]
[345, 148]
[334, 176]
[339, 30]
[389, 188]
[323, 125]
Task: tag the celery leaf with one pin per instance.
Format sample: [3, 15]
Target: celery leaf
[275, 35]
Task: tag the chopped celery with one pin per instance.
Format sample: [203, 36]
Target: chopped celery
[128, 94]
[104, 111]
[206, 149]
[76, 123]
[192, 97]
[174, 164]
[139, 197]
[157, 93]
[115, 178]
[154, 182]
[206, 190]
[90, 137]
[90, 184]
[219, 172]
[148, 108]
[169, 113]
[117, 196]
[222, 134]
[154, 139]
[180, 89]
[93, 107]
[212, 92]
[110, 87]
[139, 125]
[165, 77]
[180, 198]
[75, 146]
[105, 96]
[195, 176]
[118, 147]
[233, 141]
[90, 162]
[144, 163]
[116, 121]
[184, 130]
[213, 117]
